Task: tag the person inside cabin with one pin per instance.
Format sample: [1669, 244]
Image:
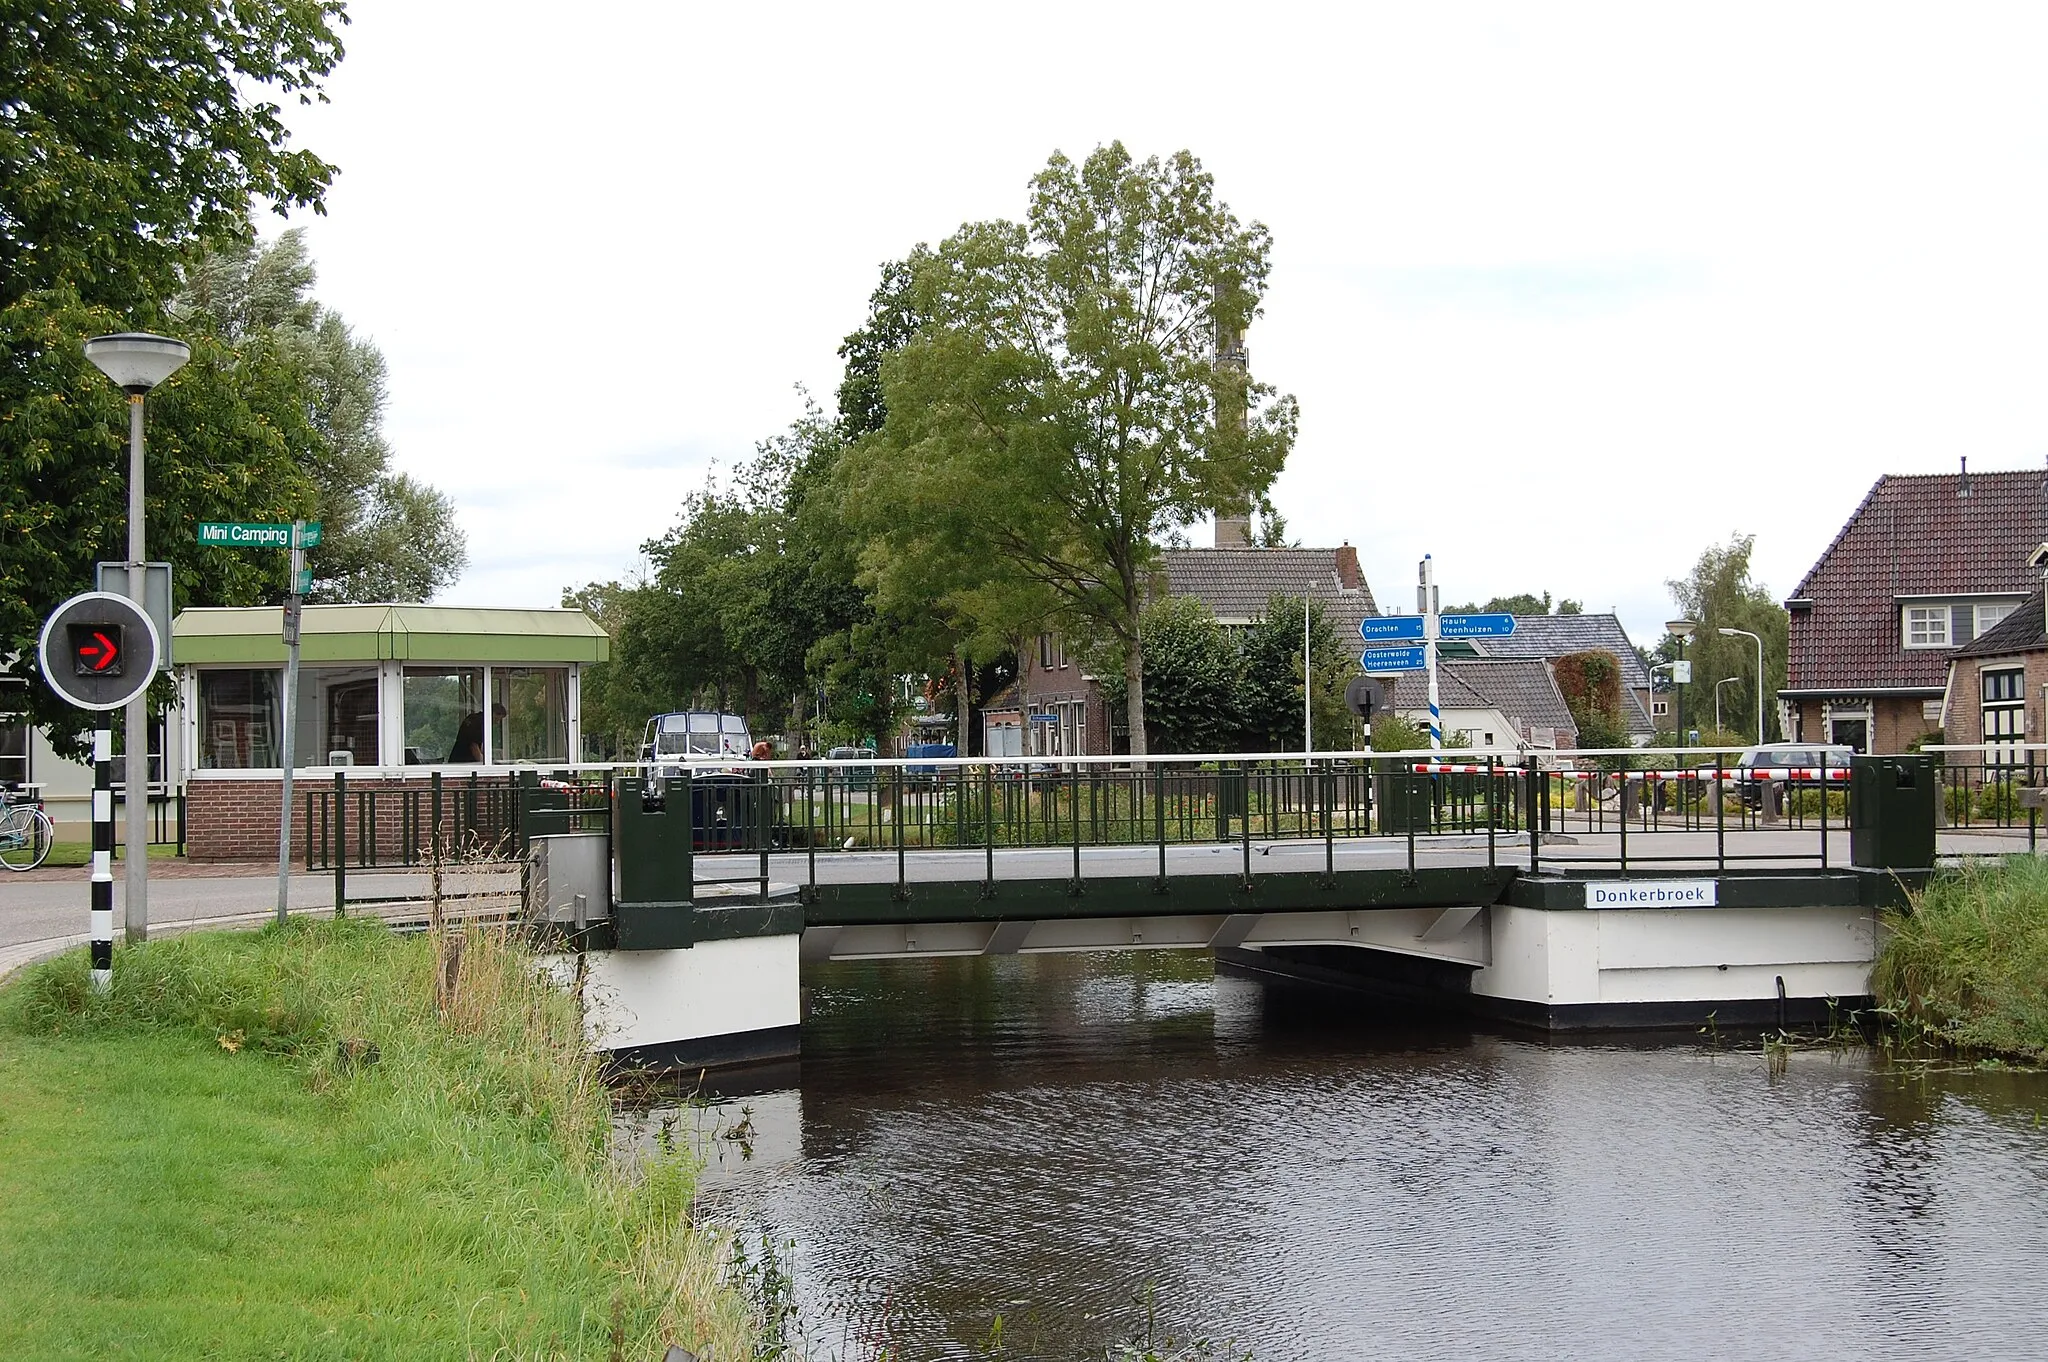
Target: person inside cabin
[469, 739]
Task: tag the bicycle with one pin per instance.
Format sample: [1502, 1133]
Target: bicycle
[26, 834]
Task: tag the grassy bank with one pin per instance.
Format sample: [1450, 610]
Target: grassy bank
[1969, 964]
[304, 1143]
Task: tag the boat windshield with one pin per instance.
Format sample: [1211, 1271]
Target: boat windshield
[699, 734]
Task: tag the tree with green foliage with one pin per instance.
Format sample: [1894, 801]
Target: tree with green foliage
[1523, 604]
[385, 536]
[132, 133]
[130, 137]
[750, 604]
[1191, 678]
[1270, 671]
[1718, 593]
[226, 438]
[1057, 409]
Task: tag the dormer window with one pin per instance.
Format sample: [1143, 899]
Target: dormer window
[1927, 626]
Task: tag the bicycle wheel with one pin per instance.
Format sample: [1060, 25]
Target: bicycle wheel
[25, 838]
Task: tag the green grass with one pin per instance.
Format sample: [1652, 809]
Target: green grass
[203, 1164]
[80, 853]
[1969, 962]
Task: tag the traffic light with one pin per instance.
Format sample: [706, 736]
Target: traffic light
[97, 648]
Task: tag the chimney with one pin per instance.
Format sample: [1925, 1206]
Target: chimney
[1963, 480]
[1349, 578]
[1233, 522]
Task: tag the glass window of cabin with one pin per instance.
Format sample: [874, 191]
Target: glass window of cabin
[438, 700]
[534, 722]
[241, 722]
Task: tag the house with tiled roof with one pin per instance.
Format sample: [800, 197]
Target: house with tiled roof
[1997, 687]
[1497, 702]
[1059, 709]
[1927, 562]
[1553, 636]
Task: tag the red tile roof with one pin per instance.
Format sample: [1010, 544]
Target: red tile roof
[1912, 535]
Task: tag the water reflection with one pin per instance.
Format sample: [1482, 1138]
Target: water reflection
[1042, 1136]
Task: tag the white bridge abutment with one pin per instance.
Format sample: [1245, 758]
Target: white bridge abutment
[1565, 955]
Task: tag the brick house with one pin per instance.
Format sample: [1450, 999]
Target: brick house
[1997, 689]
[1926, 563]
[1068, 713]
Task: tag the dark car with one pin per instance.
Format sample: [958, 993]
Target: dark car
[1791, 765]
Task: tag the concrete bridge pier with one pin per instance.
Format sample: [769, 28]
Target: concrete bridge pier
[675, 983]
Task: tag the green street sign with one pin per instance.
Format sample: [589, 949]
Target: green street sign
[302, 582]
[242, 534]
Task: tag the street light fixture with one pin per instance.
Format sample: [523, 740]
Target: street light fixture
[1717, 699]
[1744, 633]
[1680, 630]
[137, 362]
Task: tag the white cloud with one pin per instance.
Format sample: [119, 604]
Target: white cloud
[1566, 294]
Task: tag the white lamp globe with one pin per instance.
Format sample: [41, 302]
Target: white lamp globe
[136, 360]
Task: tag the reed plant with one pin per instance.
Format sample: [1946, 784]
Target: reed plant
[1967, 962]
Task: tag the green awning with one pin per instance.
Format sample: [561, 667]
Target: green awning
[376, 633]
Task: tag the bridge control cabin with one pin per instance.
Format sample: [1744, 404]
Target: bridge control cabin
[406, 690]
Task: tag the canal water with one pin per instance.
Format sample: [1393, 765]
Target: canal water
[1081, 1145]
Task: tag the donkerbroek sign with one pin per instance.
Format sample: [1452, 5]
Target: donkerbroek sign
[99, 650]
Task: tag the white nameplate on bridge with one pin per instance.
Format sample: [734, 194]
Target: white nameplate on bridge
[1652, 893]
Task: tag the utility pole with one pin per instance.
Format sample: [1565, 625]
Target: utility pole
[1426, 605]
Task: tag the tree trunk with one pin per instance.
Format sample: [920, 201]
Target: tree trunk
[962, 701]
[1024, 695]
[1134, 694]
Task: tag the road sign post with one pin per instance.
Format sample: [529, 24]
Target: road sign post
[293, 616]
[1414, 639]
[298, 536]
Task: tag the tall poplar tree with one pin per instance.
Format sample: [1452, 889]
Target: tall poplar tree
[1056, 413]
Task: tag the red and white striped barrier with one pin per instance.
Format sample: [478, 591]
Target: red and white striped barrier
[1809, 773]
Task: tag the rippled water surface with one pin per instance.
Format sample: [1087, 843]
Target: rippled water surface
[1045, 1137]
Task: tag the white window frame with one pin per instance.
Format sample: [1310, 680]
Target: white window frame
[2003, 609]
[2003, 748]
[1928, 616]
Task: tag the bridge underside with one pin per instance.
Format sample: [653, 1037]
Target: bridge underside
[1452, 933]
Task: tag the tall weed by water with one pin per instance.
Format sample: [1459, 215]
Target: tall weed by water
[1968, 962]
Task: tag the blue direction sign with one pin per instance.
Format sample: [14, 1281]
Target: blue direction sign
[1388, 628]
[1475, 626]
[1391, 659]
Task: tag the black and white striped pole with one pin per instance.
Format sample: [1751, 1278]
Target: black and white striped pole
[102, 859]
[99, 651]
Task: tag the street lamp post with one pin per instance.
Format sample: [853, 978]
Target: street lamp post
[1680, 630]
[137, 362]
[1717, 699]
[1732, 633]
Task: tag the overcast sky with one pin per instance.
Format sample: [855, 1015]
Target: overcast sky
[1566, 292]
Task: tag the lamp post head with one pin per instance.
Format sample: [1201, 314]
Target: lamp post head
[1733, 633]
[136, 360]
[1682, 629]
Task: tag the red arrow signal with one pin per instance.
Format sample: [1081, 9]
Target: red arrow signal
[96, 649]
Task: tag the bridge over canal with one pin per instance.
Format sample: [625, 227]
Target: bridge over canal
[701, 897]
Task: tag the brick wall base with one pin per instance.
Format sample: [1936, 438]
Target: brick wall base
[236, 820]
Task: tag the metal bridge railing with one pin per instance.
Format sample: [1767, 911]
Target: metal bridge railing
[1623, 808]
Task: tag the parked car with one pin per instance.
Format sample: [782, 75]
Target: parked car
[1791, 765]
